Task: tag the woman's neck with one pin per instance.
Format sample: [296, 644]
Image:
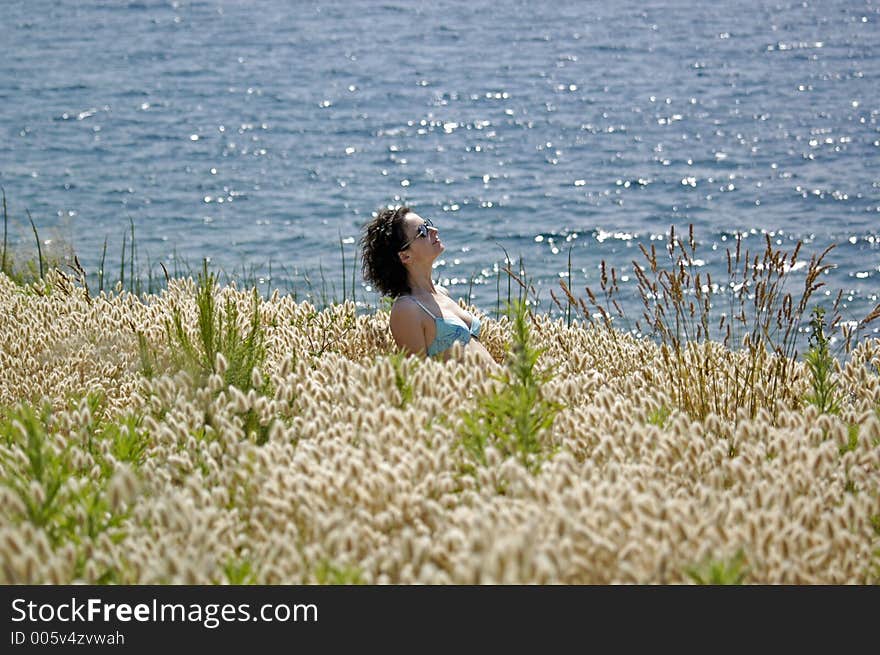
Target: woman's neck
[420, 282]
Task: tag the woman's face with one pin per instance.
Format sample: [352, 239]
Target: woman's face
[422, 238]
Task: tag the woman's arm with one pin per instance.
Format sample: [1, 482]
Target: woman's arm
[407, 329]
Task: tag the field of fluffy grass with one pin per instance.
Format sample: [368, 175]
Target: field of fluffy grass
[129, 454]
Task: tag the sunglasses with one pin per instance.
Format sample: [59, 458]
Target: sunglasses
[421, 232]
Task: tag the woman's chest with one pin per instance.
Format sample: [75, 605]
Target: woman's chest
[449, 309]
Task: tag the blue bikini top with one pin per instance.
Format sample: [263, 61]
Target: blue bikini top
[449, 330]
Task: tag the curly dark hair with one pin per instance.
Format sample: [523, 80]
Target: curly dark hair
[383, 236]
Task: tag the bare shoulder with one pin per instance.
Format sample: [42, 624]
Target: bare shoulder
[442, 290]
[407, 323]
[404, 308]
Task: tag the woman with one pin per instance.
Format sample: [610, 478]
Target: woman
[399, 249]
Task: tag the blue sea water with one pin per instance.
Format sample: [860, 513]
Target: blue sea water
[260, 134]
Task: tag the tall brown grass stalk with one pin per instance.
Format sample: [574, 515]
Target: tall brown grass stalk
[37, 239]
[5, 228]
[745, 358]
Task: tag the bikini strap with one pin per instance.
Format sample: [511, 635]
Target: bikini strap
[425, 308]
